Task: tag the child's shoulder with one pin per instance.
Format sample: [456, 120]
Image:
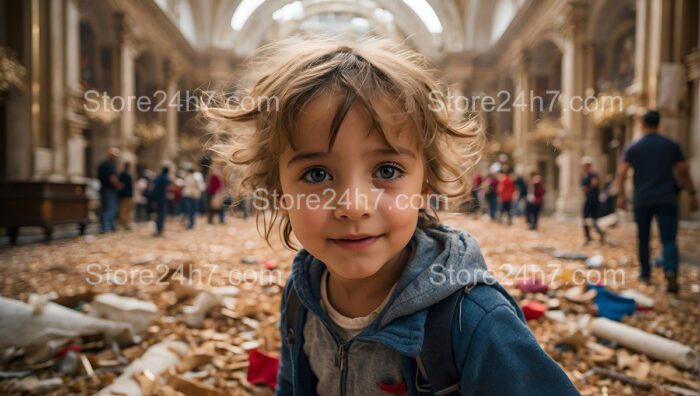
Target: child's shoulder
[484, 304]
[486, 298]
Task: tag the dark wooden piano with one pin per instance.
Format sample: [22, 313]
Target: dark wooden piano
[42, 204]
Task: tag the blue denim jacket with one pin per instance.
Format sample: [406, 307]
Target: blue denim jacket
[491, 342]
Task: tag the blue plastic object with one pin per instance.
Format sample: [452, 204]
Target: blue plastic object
[611, 305]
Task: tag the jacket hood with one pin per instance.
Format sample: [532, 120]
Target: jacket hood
[443, 260]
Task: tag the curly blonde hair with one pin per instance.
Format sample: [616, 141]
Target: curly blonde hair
[288, 74]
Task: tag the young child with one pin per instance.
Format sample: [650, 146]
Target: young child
[382, 299]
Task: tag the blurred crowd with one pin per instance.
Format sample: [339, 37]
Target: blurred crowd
[507, 192]
[189, 192]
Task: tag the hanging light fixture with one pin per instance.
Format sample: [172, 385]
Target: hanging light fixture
[12, 72]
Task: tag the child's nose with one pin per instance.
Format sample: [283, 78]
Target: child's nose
[353, 204]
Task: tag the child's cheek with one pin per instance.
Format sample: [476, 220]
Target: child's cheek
[400, 212]
[400, 206]
[308, 221]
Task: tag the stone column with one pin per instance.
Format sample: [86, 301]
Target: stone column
[654, 56]
[58, 93]
[593, 140]
[127, 53]
[172, 74]
[640, 83]
[42, 41]
[35, 83]
[695, 138]
[19, 149]
[666, 67]
[693, 62]
[573, 85]
[658, 44]
[522, 115]
[75, 120]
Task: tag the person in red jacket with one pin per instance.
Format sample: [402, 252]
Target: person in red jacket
[215, 189]
[474, 204]
[506, 191]
[535, 198]
[491, 194]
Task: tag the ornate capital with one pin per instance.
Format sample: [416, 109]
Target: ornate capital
[75, 101]
[692, 64]
[126, 34]
[522, 60]
[521, 65]
[171, 70]
[575, 21]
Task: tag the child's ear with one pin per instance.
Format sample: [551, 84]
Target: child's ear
[282, 205]
[426, 188]
[426, 191]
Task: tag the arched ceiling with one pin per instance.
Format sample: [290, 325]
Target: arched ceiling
[434, 27]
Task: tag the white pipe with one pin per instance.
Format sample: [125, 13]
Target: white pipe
[156, 360]
[654, 346]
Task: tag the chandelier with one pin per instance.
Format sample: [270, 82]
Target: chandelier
[610, 107]
[547, 129]
[12, 72]
[102, 113]
[149, 131]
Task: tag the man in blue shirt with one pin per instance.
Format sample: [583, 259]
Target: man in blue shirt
[160, 196]
[659, 167]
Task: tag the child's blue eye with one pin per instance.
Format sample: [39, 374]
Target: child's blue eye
[316, 175]
[388, 172]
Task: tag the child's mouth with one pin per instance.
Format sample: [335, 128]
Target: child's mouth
[355, 242]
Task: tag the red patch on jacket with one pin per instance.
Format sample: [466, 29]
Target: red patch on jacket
[394, 389]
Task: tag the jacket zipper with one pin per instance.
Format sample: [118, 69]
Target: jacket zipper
[343, 348]
[342, 364]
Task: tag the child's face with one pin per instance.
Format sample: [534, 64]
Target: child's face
[355, 207]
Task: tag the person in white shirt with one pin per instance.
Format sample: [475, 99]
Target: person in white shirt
[191, 194]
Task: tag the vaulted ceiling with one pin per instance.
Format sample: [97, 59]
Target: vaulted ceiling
[434, 27]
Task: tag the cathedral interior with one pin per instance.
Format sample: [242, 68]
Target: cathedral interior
[552, 83]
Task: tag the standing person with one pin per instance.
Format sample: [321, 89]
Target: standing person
[177, 186]
[655, 159]
[126, 197]
[205, 164]
[492, 195]
[609, 196]
[191, 194]
[150, 201]
[141, 193]
[109, 185]
[521, 187]
[506, 191]
[215, 192]
[590, 184]
[503, 161]
[173, 195]
[475, 205]
[535, 199]
[244, 206]
[160, 197]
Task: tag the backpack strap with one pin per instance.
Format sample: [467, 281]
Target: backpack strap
[294, 308]
[436, 361]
